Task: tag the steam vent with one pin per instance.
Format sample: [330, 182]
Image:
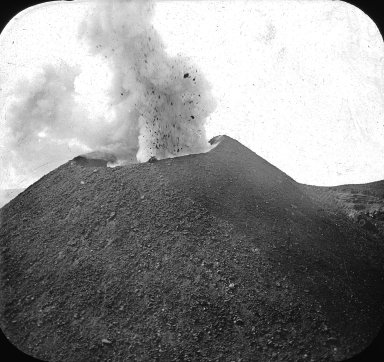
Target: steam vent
[210, 256]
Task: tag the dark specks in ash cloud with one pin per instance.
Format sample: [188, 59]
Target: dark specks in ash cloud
[157, 104]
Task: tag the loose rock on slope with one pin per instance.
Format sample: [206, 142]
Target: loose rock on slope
[215, 256]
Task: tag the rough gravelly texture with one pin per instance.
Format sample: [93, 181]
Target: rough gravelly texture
[363, 203]
[215, 256]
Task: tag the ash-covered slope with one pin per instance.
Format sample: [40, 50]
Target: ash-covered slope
[7, 195]
[363, 203]
[209, 256]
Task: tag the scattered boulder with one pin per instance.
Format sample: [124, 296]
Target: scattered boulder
[152, 159]
[367, 224]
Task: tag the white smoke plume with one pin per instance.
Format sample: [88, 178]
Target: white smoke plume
[155, 105]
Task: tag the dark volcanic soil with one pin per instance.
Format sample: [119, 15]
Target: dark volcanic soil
[216, 256]
[362, 203]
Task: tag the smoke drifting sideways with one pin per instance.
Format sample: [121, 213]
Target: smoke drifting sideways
[155, 105]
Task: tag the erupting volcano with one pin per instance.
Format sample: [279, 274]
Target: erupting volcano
[150, 103]
[150, 242]
[217, 254]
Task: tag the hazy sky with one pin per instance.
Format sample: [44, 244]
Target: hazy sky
[298, 82]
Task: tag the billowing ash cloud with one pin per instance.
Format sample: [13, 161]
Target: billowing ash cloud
[156, 105]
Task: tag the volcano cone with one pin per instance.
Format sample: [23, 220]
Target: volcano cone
[217, 255]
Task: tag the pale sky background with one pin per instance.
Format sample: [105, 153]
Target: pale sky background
[298, 82]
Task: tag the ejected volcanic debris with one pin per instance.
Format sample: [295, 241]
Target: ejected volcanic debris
[217, 255]
[152, 103]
